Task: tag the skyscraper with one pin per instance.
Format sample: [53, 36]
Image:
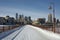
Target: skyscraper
[21, 19]
[16, 17]
[50, 18]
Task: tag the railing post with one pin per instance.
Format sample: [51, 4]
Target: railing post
[9, 28]
[3, 28]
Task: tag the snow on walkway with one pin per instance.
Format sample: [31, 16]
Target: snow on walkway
[33, 33]
[13, 35]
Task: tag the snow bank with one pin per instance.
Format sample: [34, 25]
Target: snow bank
[14, 34]
[34, 33]
[29, 32]
[9, 34]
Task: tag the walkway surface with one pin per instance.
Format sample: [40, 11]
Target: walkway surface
[29, 32]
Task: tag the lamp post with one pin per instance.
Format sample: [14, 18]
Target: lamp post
[52, 7]
[54, 19]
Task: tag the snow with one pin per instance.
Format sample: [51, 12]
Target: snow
[13, 35]
[7, 33]
[6, 25]
[29, 32]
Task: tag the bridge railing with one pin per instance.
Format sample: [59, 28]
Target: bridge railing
[7, 27]
[49, 28]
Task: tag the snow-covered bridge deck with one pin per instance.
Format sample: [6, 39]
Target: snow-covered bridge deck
[29, 32]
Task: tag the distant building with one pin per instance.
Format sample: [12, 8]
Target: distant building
[58, 21]
[21, 19]
[2, 20]
[7, 17]
[16, 17]
[41, 20]
[9, 20]
[28, 20]
[50, 18]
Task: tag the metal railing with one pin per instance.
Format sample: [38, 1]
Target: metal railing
[50, 28]
[7, 27]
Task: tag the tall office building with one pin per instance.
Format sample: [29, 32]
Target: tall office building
[17, 17]
[58, 21]
[50, 18]
[21, 19]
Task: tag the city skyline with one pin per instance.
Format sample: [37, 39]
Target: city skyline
[33, 8]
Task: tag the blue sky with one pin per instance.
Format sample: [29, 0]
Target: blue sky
[33, 8]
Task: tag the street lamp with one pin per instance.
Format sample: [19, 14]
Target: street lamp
[52, 7]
